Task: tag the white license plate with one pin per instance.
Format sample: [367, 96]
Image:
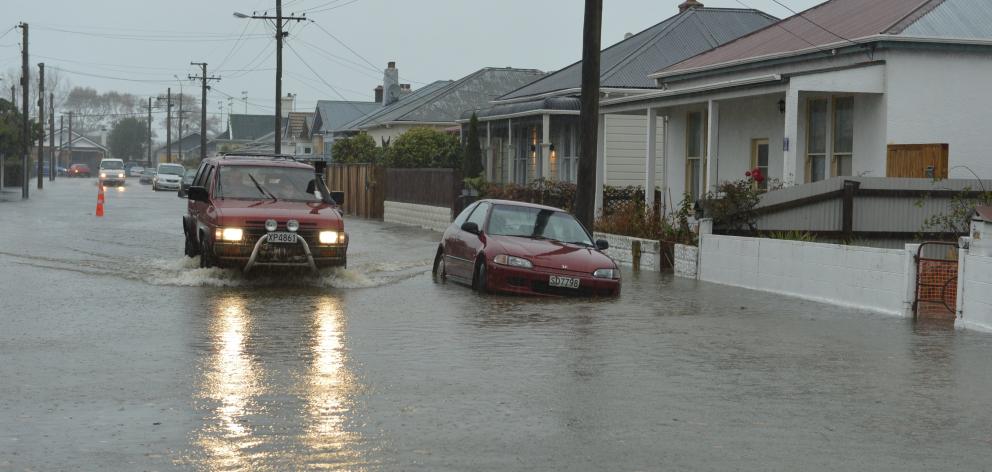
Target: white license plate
[563, 282]
[282, 238]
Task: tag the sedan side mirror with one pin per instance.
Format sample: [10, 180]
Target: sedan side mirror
[602, 244]
[197, 194]
[470, 227]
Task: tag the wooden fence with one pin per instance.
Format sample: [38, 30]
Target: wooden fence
[434, 187]
[363, 186]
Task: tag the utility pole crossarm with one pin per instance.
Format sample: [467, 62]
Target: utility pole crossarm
[203, 78]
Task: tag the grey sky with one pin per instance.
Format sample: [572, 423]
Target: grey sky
[147, 42]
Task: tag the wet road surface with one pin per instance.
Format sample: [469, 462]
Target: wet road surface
[116, 353]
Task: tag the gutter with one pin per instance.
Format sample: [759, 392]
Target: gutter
[764, 79]
[568, 91]
[522, 113]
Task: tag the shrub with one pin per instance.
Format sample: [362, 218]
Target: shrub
[424, 147]
[358, 149]
[633, 218]
[957, 220]
[732, 206]
[541, 191]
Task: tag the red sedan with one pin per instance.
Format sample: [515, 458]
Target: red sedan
[521, 248]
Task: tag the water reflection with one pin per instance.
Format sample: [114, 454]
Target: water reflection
[330, 386]
[232, 383]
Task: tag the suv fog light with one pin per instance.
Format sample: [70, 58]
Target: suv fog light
[293, 225]
[271, 225]
[328, 237]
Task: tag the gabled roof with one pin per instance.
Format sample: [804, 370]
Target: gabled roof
[840, 21]
[250, 127]
[332, 115]
[78, 141]
[445, 101]
[189, 141]
[628, 63]
[296, 123]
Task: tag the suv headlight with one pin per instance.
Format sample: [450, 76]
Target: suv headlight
[229, 234]
[513, 261]
[607, 274]
[121, 175]
[328, 237]
[103, 175]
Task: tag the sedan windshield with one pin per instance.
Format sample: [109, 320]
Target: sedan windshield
[171, 170]
[527, 222]
[267, 182]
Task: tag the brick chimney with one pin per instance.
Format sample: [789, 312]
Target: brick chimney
[378, 94]
[689, 4]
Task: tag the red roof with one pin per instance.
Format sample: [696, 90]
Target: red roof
[984, 213]
[840, 20]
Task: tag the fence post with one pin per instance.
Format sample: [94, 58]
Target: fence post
[850, 190]
[909, 282]
[635, 254]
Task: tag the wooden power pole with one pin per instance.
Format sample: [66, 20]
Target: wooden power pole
[41, 121]
[25, 85]
[279, 20]
[204, 78]
[52, 165]
[149, 131]
[585, 195]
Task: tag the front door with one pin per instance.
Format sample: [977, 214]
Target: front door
[759, 160]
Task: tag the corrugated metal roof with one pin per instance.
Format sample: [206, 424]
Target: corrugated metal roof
[331, 115]
[628, 63]
[249, 127]
[444, 101]
[971, 19]
[823, 24]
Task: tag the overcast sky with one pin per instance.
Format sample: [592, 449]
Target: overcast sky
[138, 46]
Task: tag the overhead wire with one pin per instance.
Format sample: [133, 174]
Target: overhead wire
[799, 14]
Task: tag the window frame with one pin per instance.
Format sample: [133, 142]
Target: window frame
[835, 157]
[703, 144]
[755, 163]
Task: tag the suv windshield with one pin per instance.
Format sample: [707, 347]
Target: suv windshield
[267, 182]
[113, 165]
[171, 169]
[509, 220]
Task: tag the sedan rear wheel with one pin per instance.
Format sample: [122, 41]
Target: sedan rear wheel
[440, 270]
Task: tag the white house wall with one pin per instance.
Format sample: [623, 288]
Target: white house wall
[741, 121]
[942, 97]
[626, 149]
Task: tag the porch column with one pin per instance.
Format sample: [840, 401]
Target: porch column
[600, 162]
[790, 168]
[490, 172]
[508, 158]
[712, 177]
[546, 147]
[651, 158]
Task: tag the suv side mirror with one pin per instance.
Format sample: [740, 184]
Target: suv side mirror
[602, 244]
[338, 198]
[197, 194]
[470, 227]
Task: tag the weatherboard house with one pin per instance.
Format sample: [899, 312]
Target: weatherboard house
[533, 131]
[887, 88]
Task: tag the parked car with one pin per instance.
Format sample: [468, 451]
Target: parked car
[250, 211]
[187, 181]
[147, 176]
[135, 171]
[79, 170]
[522, 248]
[168, 177]
[111, 172]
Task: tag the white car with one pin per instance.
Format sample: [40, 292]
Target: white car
[135, 171]
[111, 172]
[168, 177]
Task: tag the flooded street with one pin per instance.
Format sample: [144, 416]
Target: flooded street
[117, 353]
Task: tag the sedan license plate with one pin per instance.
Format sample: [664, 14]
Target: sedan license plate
[563, 282]
[284, 238]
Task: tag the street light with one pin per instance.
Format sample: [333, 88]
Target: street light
[241, 15]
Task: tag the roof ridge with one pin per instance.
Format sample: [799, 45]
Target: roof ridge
[913, 16]
[682, 17]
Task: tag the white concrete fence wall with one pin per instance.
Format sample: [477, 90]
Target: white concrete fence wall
[411, 214]
[621, 251]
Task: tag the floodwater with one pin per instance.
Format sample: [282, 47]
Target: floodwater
[116, 353]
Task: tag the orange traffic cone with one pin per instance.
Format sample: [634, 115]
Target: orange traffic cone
[99, 201]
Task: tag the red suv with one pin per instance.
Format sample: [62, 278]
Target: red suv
[246, 211]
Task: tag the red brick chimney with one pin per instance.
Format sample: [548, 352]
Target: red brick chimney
[378, 94]
[688, 4]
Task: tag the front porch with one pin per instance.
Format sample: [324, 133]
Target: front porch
[797, 130]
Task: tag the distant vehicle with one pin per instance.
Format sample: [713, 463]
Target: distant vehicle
[522, 248]
[79, 170]
[111, 172]
[135, 171]
[248, 211]
[187, 181]
[168, 177]
[147, 176]
[62, 171]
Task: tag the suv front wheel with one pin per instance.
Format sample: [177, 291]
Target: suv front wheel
[206, 255]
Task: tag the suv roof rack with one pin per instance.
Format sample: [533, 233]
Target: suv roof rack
[258, 155]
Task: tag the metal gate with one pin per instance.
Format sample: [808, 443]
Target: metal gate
[936, 281]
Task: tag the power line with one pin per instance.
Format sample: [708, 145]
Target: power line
[335, 7]
[813, 22]
[333, 89]
[787, 30]
[187, 37]
[99, 76]
[343, 44]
